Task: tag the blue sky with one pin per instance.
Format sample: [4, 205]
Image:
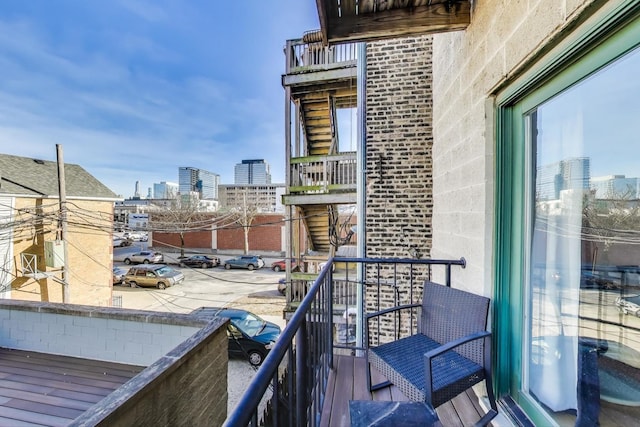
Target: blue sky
[133, 89]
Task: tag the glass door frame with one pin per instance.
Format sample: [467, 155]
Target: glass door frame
[605, 36]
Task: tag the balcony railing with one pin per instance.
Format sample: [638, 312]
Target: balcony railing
[289, 388]
[303, 56]
[323, 174]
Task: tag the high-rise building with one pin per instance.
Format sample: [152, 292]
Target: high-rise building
[194, 179]
[567, 174]
[165, 190]
[252, 172]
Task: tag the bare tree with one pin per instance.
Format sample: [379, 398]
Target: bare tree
[183, 216]
[244, 214]
[613, 220]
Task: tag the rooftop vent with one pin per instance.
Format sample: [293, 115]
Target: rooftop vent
[38, 161]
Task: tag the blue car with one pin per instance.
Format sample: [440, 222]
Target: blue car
[250, 336]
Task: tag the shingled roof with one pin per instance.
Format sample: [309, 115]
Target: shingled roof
[27, 176]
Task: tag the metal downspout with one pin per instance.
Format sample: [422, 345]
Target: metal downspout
[361, 186]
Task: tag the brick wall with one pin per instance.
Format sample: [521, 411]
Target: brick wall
[398, 162]
[398, 145]
[192, 240]
[266, 234]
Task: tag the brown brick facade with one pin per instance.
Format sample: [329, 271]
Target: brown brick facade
[399, 138]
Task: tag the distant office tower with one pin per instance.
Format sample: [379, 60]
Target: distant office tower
[252, 172]
[194, 179]
[567, 174]
[165, 190]
[136, 193]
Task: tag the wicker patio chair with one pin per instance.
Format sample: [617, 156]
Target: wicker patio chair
[450, 351]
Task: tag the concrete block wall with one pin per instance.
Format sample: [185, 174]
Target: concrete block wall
[398, 146]
[467, 67]
[115, 335]
[187, 387]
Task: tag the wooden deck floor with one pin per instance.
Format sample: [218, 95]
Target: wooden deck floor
[38, 389]
[348, 382]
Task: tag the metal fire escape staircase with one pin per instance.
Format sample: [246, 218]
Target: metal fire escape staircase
[318, 113]
[319, 81]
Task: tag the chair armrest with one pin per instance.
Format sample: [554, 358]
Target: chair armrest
[381, 312]
[392, 309]
[455, 343]
[430, 355]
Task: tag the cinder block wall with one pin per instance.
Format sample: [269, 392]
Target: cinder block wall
[398, 145]
[114, 335]
[467, 66]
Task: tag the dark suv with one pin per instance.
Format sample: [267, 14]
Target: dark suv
[250, 336]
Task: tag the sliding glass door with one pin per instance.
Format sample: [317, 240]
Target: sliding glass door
[574, 271]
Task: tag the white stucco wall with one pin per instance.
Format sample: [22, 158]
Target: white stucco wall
[501, 40]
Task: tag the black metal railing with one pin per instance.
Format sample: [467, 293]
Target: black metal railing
[289, 388]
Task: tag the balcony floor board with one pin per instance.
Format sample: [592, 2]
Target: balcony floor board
[52, 390]
[348, 381]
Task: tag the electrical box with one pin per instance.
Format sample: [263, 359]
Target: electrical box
[54, 253]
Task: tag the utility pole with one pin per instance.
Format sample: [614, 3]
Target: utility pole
[62, 192]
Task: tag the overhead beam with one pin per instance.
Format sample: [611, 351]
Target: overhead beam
[391, 23]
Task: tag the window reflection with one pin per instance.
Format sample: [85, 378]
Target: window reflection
[584, 290]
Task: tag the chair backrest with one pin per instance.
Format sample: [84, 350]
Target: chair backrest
[449, 314]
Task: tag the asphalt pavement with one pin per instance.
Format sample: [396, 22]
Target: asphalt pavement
[209, 287]
[201, 287]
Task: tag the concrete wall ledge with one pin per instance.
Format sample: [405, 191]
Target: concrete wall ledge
[96, 333]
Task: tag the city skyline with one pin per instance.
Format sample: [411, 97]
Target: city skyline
[131, 90]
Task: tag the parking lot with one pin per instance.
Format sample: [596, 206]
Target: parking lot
[201, 287]
[255, 291]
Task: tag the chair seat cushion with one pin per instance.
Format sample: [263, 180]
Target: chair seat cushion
[404, 360]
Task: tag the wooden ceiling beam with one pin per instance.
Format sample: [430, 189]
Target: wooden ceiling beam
[391, 23]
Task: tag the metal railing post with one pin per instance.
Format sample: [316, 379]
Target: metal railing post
[329, 281]
[301, 373]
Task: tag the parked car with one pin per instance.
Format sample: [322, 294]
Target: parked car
[159, 276]
[144, 257]
[282, 265]
[203, 261]
[250, 336]
[118, 275]
[250, 262]
[119, 242]
[135, 236]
